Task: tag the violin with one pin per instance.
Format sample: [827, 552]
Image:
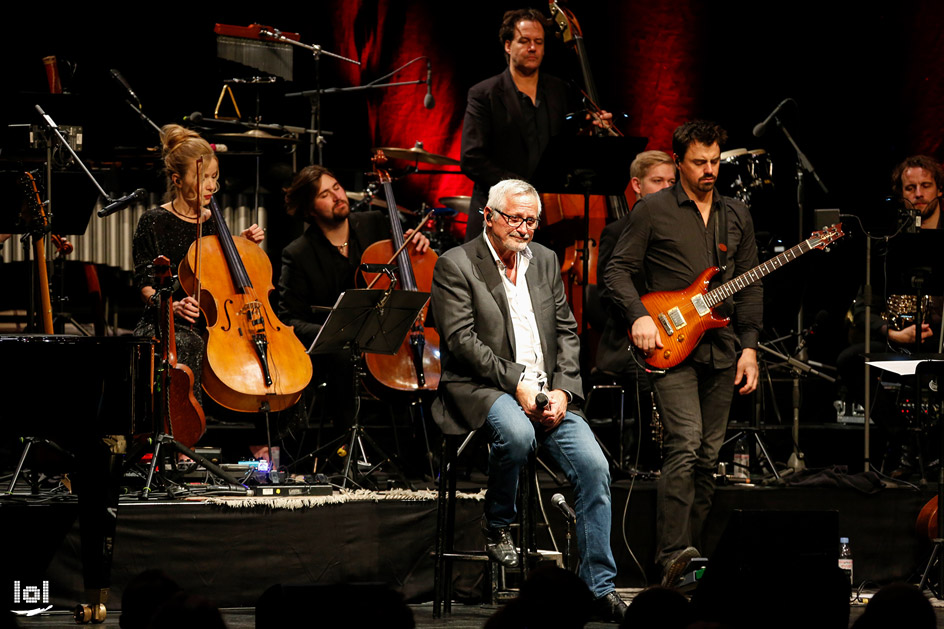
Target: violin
[183, 416]
[415, 366]
[253, 362]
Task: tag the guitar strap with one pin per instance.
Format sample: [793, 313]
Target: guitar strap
[721, 234]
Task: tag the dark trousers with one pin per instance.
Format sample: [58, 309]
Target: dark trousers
[694, 401]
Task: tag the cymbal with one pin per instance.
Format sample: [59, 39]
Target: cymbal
[417, 154]
[256, 136]
[459, 204]
[378, 202]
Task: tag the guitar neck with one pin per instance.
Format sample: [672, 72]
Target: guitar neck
[742, 281]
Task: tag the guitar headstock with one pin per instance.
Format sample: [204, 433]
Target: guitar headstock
[822, 238]
[34, 209]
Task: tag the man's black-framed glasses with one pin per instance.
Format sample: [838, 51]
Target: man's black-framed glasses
[515, 221]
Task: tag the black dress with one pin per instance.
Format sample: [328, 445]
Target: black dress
[161, 232]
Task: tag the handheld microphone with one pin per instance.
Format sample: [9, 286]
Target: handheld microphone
[122, 203]
[761, 128]
[558, 501]
[541, 401]
[429, 102]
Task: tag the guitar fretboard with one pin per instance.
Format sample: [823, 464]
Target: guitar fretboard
[742, 281]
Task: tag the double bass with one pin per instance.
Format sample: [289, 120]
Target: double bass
[415, 367]
[579, 263]
[253, 362]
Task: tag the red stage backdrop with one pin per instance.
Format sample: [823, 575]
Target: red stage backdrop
[390, 35]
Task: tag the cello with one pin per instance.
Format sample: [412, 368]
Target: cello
[253, 362]
[415, 366]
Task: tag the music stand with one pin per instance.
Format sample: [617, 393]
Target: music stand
[374, 322]
[586, 165]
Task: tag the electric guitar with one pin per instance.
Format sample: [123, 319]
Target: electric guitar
[682, 317]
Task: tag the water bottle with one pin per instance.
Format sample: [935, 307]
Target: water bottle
[845, 557]
[742, 461]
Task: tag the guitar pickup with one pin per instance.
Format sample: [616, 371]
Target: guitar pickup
[676, 316]
[665, 324]
[701, 307]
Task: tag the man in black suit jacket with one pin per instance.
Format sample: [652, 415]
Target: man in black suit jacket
[321, 264]
[511, 117]
[507, 335]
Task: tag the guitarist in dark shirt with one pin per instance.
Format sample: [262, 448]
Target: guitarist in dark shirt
[673, 236]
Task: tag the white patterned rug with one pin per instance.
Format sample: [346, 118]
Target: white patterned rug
[340, 496]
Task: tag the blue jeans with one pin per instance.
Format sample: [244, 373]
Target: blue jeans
[694, 401]
[576, 451]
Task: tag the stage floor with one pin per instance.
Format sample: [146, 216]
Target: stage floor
[231, 551]
[463, 617]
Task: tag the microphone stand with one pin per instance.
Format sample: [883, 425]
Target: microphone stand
[796, 461]
[142, 115]
[315, 94]
[53, 130]
[803, 167]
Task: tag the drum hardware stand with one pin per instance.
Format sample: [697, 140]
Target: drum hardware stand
[755, 431]
[366, 321]
[796, 461]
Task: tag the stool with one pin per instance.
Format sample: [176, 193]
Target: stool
[606, 401]
[445, 529]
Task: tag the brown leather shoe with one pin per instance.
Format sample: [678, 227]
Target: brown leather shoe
[675, 567]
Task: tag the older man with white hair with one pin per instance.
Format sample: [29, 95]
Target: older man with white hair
[508, 335]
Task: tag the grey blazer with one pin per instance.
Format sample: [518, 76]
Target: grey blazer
[477, 339]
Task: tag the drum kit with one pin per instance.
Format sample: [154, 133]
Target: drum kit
[746, 175]
[444, 227]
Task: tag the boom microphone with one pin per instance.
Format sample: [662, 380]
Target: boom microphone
[429, 102]
[761, 128]
[115, 74]
[122, 203]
